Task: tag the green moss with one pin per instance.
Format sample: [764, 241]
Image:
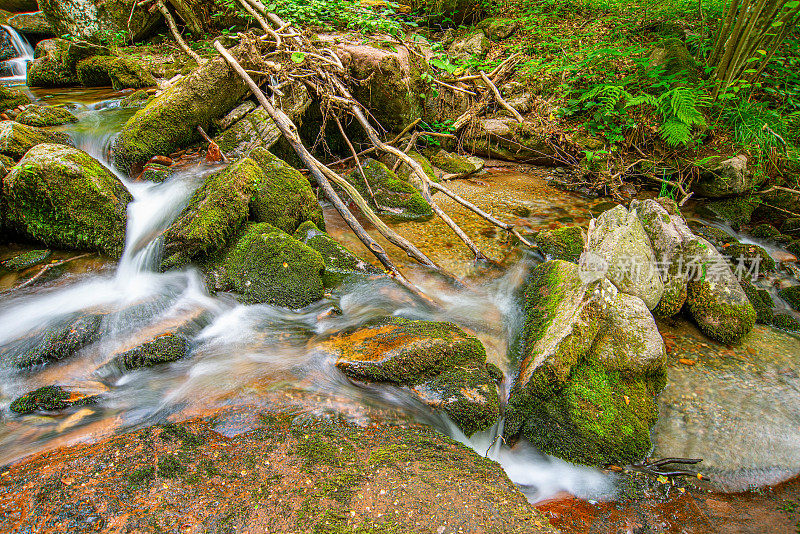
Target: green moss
[395, 198]
[563, 243]
[137, 99]
[716, 236]
[722, 320]
[673, 55]
[786, 322]
[94, 71]
[142, 476]
[23, 261]
[760, 299]
[11, 98]
[169, 466]
[154, 172]
[737, 210]
[792, 296]
[468, 395]
[17, 139]
[63, 197]
[340, 263]
[129, 73]
[750, 255]
[162, 349]
[44, 116]
[48, 399]
[268, 265]
[675, 291]
[452, 163]
[765, 231]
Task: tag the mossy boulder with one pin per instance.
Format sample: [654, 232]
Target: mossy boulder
[267, 265]
[11, 98]
[738, 211]
[137, 99]
[340, 264]
[395, 197]
[505, 138]
[129, 73]
[716, 236]
[592, 365]
[786, 321]
[33, 24]
[164, 348]
[262, 189]
[620, 240]
[53, 342]
[752, 257]
[404, 170]
[26, 260]
[94, 71]
[453, 163]
[63, 197]
[440, 363]
[791, 225]
[99, 22]
[153, 172]
[498, 29]
[169, 122]
[765, 231]
[565, 243]
[56, 62]
[471, 47]
[49, 399]
[760, 299]
[44, 116]
[791, 295]
[715, 299]
[17, 139]
[674, 58]
[721, 177]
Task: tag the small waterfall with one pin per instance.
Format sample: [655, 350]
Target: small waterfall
[18, 65]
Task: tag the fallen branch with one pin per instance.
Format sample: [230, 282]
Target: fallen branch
[43, 271]
[173, 28]
[500, 99]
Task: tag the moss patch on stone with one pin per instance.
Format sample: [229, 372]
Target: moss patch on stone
[340, 264]
[11, 98]
[396, 198]
[28, 259]
[162, 349]
[49, 399]
[17, 139]
[792, 296]
[44, 116]
[129, 73]
[94, 71]
[562, 243]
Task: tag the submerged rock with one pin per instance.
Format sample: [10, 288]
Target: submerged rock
[53, 342]
[49, 399]
[562, 243]
[17, 139]
[164, 348]
[170, 121]
[97, 22]
[440, 363]
[267, 265]
[593, 364]
[61, 196]
[394, 197]
[26, 260]
[43, 116]
[340, 264]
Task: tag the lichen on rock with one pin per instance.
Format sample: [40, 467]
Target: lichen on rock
[341, 265]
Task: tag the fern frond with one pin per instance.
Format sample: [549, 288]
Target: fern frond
[676, 132]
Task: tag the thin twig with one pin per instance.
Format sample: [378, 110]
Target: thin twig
[44, 270]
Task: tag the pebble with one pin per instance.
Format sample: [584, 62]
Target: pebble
[161, 160]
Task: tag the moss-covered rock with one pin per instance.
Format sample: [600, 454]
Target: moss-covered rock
[791, 225]
[19, 6]
[786, 321]
[129, 73]
[32, 24]
[593, 364]
[11, 98]
[749, 256]
[394, 196]
[94, 71]
[715, 299]
[26, 260]
[404, 170]
[49, 399]
[137, 99]
[340, 264]
[53, 342]
[498, 29]
[17, 139]
[722, 177]
[153, 172]
[716, 236]
[672, 55]
[267, 265]
[61, 196]
[441, 364]
[99, 22]
[565, 243]
[43, 116]
[56, 62]
[791, 295]
[471, 47]
[505, 138]
[453, 163]
[737, 210]
[169, 122]
[164, 348]
[765, 231]
[760, 299]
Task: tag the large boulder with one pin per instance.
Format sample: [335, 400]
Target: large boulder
[267, 265]
[721, 177]
[441, 364]
[392, 83]
[169, 122]
[261, 188]
[56, 61]
[129, 73]
[44, 116]
[33, 24]
[61, 196]
[620, 240]
[11, 98]
[592, 366]
[394, 197]
[98, 21]
[341, 265]
[16, 139]
[505, 138]
[19, 6]
[715, 299]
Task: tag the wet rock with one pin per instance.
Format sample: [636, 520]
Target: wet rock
[11, 98]
[738, 211]
[261, 187]
[61, 196]
[395, 197]
[94, 71]
[129, 73]
[454, 164]
[97, 22]
[441, 364]
[267, 265]
[341, 265]
[7, 50]
[562, 243]
[505, 138]
[56, 62]
[17, 139]
[470, 47]
[392, 84]
[137, 99]
[154, 172]
[667, 231]
[673, 56]
[760, 299]
[19, 6]
[791, 295]
[716, 236]
[257, 129]
[170, 121]
[715, 299]
[753, 257]
[49, 399]
[43, 116]
[619, 238]
[53, 342]
[26, 260]
[164, 348]
[722, 177]
[791, 225]
[593, 364]
[34, 24]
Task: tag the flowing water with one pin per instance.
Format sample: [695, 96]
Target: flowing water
[18, 65]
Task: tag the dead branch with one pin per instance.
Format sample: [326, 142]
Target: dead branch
[499, 98]
[173, 28]
[358, 162]
[43, 271]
